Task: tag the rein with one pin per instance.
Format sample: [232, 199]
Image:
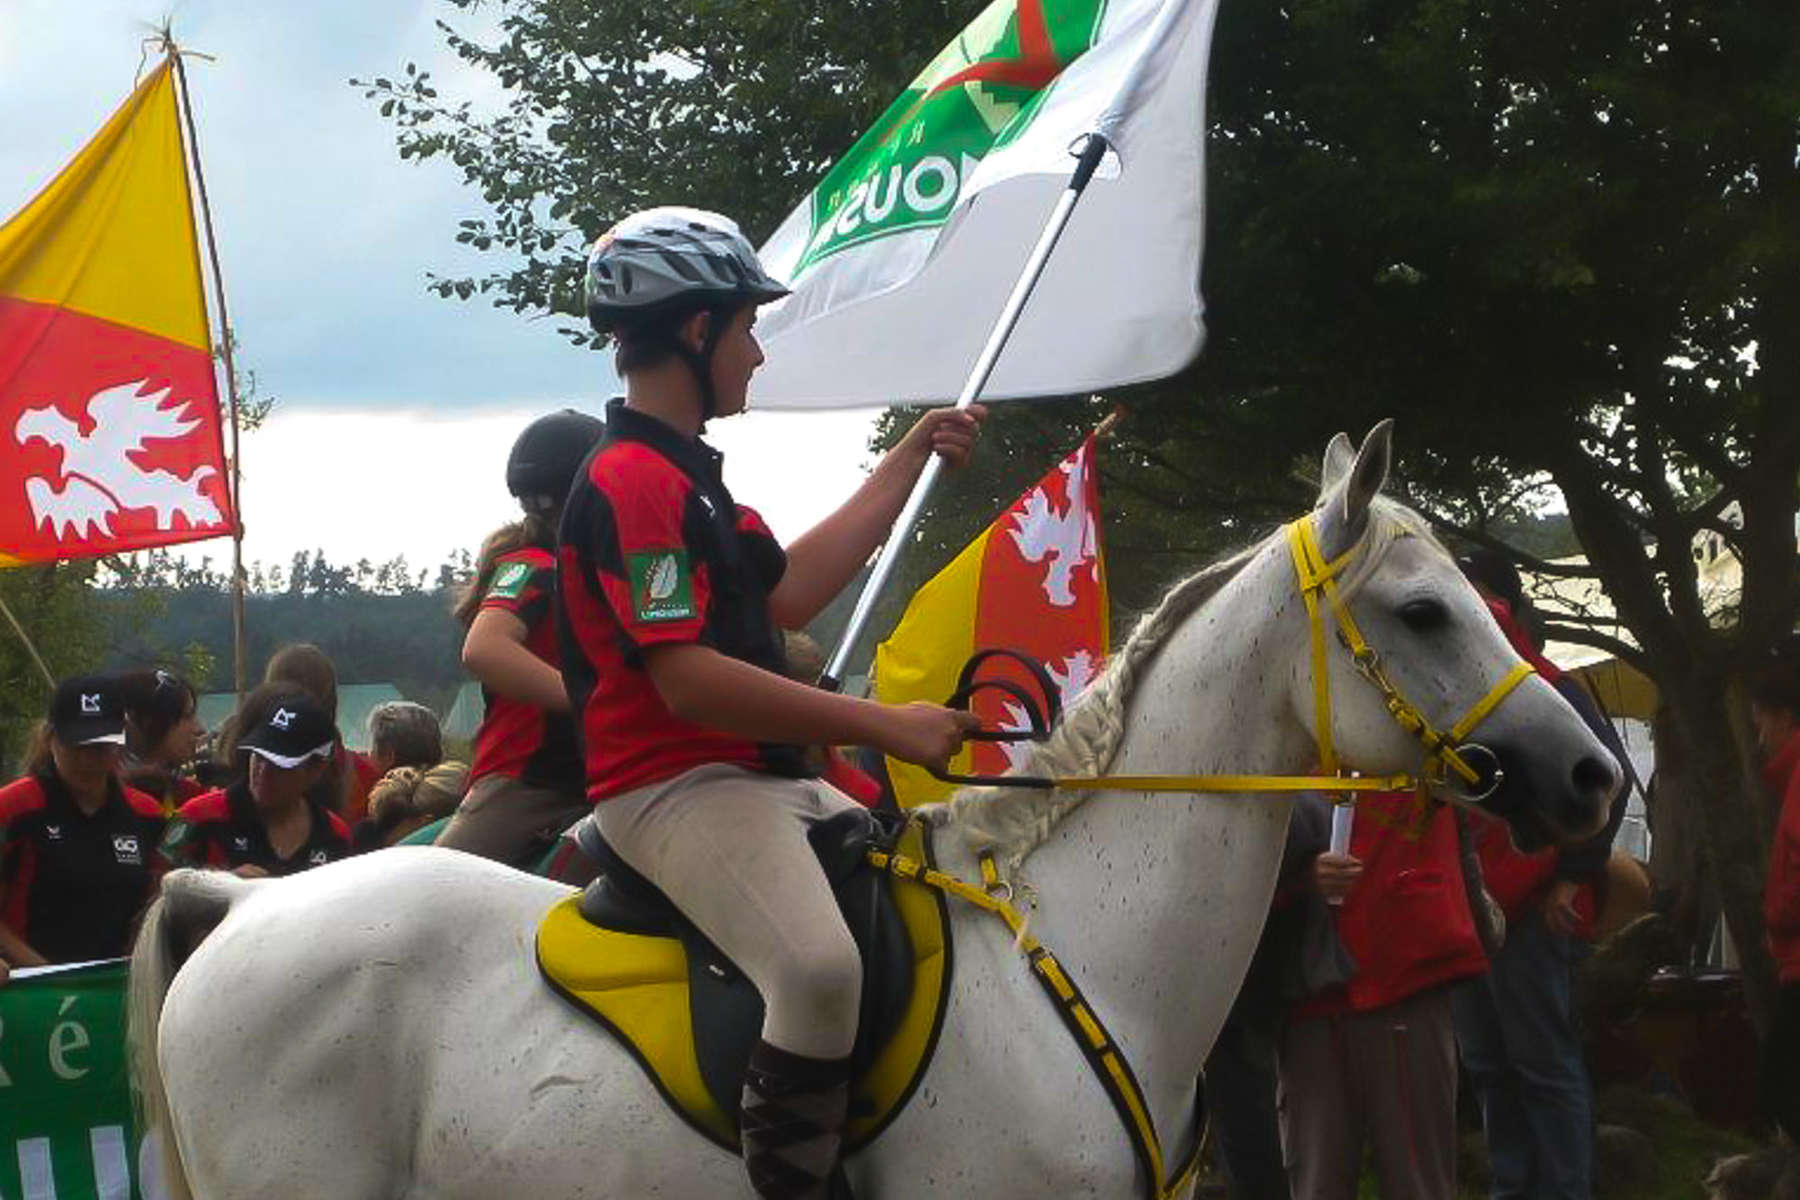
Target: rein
[1445, 753]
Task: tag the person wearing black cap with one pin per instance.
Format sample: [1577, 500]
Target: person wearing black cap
[265, 823]
[76, 845]
[525, 786]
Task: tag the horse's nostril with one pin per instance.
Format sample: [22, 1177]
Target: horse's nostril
[1593, 777]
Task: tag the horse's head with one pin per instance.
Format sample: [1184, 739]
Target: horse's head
[1440, 651]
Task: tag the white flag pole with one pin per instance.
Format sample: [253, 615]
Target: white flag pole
[1092, 152]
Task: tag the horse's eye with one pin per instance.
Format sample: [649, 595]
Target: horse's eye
[1424, 615]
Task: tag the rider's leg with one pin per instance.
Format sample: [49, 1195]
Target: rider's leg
[729, 847]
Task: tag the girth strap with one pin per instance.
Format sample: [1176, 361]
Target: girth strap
[1083, 1023]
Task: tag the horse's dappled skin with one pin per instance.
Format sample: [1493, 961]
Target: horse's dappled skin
[378, 1028]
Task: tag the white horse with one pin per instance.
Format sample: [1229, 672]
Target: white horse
[378, 1028]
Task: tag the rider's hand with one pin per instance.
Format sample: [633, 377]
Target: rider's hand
[1333, 875]
[950, 432]
[926, 734]
[250, 871]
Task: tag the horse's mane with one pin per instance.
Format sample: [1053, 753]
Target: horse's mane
[1013, 821]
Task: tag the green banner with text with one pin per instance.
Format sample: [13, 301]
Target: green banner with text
[66, 1125]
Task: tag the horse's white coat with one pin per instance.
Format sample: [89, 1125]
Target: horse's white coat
[377, 1028]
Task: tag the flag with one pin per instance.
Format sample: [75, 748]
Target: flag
[1035, 582]
[109, 412]
[902, 257]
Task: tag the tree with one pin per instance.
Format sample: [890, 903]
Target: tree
[612, 107]
[54, 604]
[1560, 242]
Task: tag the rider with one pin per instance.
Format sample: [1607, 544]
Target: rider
[526, 784]
[669, 597]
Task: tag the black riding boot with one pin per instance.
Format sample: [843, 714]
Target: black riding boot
[793, 1122]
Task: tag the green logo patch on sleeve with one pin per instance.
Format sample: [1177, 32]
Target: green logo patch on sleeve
[662, 587]
[509, 581]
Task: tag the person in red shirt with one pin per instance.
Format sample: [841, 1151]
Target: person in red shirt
[1367, 1060]
[163, 733]
[526, 783]
[670, 595]
[1517, 1026]
[76, 844]
[1775, 709]
[266, 823]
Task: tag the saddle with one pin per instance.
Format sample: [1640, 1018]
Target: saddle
[624, 955]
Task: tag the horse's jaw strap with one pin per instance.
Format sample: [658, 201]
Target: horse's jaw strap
[1317, 580]
[1089, 1032]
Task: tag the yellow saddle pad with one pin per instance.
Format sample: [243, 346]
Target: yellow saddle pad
[637, 987]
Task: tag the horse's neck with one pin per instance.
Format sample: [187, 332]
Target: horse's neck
[1154, 902]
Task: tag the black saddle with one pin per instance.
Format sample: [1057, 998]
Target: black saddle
[726, 1009]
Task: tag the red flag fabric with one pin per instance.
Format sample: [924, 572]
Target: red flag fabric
[109, 409]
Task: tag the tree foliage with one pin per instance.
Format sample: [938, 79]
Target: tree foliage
[613, 107]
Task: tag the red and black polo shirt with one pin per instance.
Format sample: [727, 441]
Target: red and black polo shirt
[518, 740]
[654, 551]
[223, 829]
[72, 883]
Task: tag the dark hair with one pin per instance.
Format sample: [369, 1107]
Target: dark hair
[653, 340]
[537, 529]
[304, 665]
[1495, 572]
[1775, 683]
[155, 702]
[38, 759]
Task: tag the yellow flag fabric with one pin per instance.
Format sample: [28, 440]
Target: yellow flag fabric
[924, 655]
[108, 398]
[1033, 582]
[111, 236]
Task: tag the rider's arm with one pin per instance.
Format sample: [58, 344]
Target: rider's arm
[495, 653]
[708, 688]
[830, 554]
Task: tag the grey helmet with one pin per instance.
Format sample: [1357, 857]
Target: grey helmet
[672, 260]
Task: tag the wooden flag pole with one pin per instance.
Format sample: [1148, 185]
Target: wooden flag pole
[30, 647]
[238, 653]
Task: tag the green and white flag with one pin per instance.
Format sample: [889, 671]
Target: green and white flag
[903, 255]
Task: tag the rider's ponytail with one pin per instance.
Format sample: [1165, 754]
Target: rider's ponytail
[536, 529]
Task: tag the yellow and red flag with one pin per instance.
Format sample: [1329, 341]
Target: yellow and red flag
[1035, 582]
[110, 434]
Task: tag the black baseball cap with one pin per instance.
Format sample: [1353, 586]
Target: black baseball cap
[295, 731]
[87, 710]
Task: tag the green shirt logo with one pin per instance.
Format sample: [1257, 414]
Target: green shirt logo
[662, 587]
[509, 581]
[978, 94]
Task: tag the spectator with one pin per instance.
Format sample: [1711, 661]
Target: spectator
[267, 823]
[1775, 708]
[526, 786]
[163, 735]
[1517, 1026]
[344, 789]
[407, 799]
[404, 734]
[76, 844]
[1368, 1059]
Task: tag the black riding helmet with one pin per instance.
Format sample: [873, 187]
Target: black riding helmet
[658, 267]
[546, 456]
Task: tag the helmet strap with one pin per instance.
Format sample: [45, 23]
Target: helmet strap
[700, 361]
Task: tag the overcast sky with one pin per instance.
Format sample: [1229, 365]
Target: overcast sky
[395, 408]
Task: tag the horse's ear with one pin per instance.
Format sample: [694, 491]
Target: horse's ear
[1344, 507]
[1339, 456]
